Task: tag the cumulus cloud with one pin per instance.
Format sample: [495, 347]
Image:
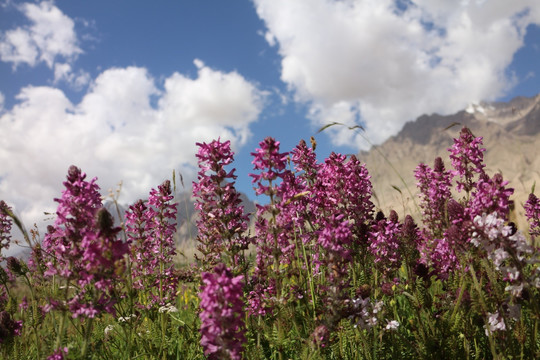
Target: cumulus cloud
[381, 63]
[127, 127]
[64, 73]
[50, 35]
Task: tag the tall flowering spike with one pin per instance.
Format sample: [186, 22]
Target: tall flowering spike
[104, 252]
[335, 238]
[271, 240]
[439, 254]
[83, 246]
[435, 191]
[385, 243]
[222, 222]
[8, 327]
[467, 159]
[532, 212]
[491, 196]
[271, 164]
[410, 237]
[75, 219]
[305, 161]
[222, 315]
[141, 254]
[345, 187]
[5, 226]
[153, 248]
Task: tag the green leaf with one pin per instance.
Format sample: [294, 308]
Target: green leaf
[327, 126]
[452, 125]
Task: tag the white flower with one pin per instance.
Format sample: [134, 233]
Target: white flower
[378, 306]
[372, 321]
[392, 325]
[536, 282]
[127, 318]
[498, 257]
[169, 308]
[108, 329]
[496, 323]
[515, 290]
[512, 273]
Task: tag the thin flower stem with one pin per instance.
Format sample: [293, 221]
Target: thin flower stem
[34, 314]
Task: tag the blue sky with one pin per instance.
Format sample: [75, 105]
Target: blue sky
[124, 89]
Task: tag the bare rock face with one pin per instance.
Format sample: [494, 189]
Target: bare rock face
[511, 135]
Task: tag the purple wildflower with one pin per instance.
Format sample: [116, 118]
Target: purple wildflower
[15, 266]
[271, 164]
[345, 189]
[83, 246]
[222, 222]
[532, 212]
[439, 254]
[222, 327]
[23, 305]
[435, 191]
[467, 158]
[335, 239]
[385, 243]
[75, 218]
[442, 253]
[491, 196]
[58, 354]
[150, 229]
[410, 237]
[8, 327]
[305, 161]
[271, 240]
[320, 336]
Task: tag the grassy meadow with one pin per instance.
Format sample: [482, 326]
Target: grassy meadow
[316, 273]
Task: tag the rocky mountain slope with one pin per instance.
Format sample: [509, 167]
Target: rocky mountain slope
[511, 134]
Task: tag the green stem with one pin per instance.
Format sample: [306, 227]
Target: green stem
[87, 332]
[34, 315]
[61, 330]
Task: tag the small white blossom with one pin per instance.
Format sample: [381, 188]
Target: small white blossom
[498, 257]
[169, 308]
[512, 273]
[515, 290]
[127, 318]
[108, 329]
[377, 307]
[495, 322]
[392, 325]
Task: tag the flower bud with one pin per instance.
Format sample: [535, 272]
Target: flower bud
[15, 266]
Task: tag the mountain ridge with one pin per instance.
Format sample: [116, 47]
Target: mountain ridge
[511, 135]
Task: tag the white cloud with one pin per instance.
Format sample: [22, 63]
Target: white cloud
[49, 36]
[373, 62]
[124, 128]
[63, 72]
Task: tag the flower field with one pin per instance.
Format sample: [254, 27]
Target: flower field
[316, 273]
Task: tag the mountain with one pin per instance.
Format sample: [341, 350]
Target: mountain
[511, 135]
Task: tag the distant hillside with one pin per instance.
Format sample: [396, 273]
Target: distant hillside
[511, 134]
